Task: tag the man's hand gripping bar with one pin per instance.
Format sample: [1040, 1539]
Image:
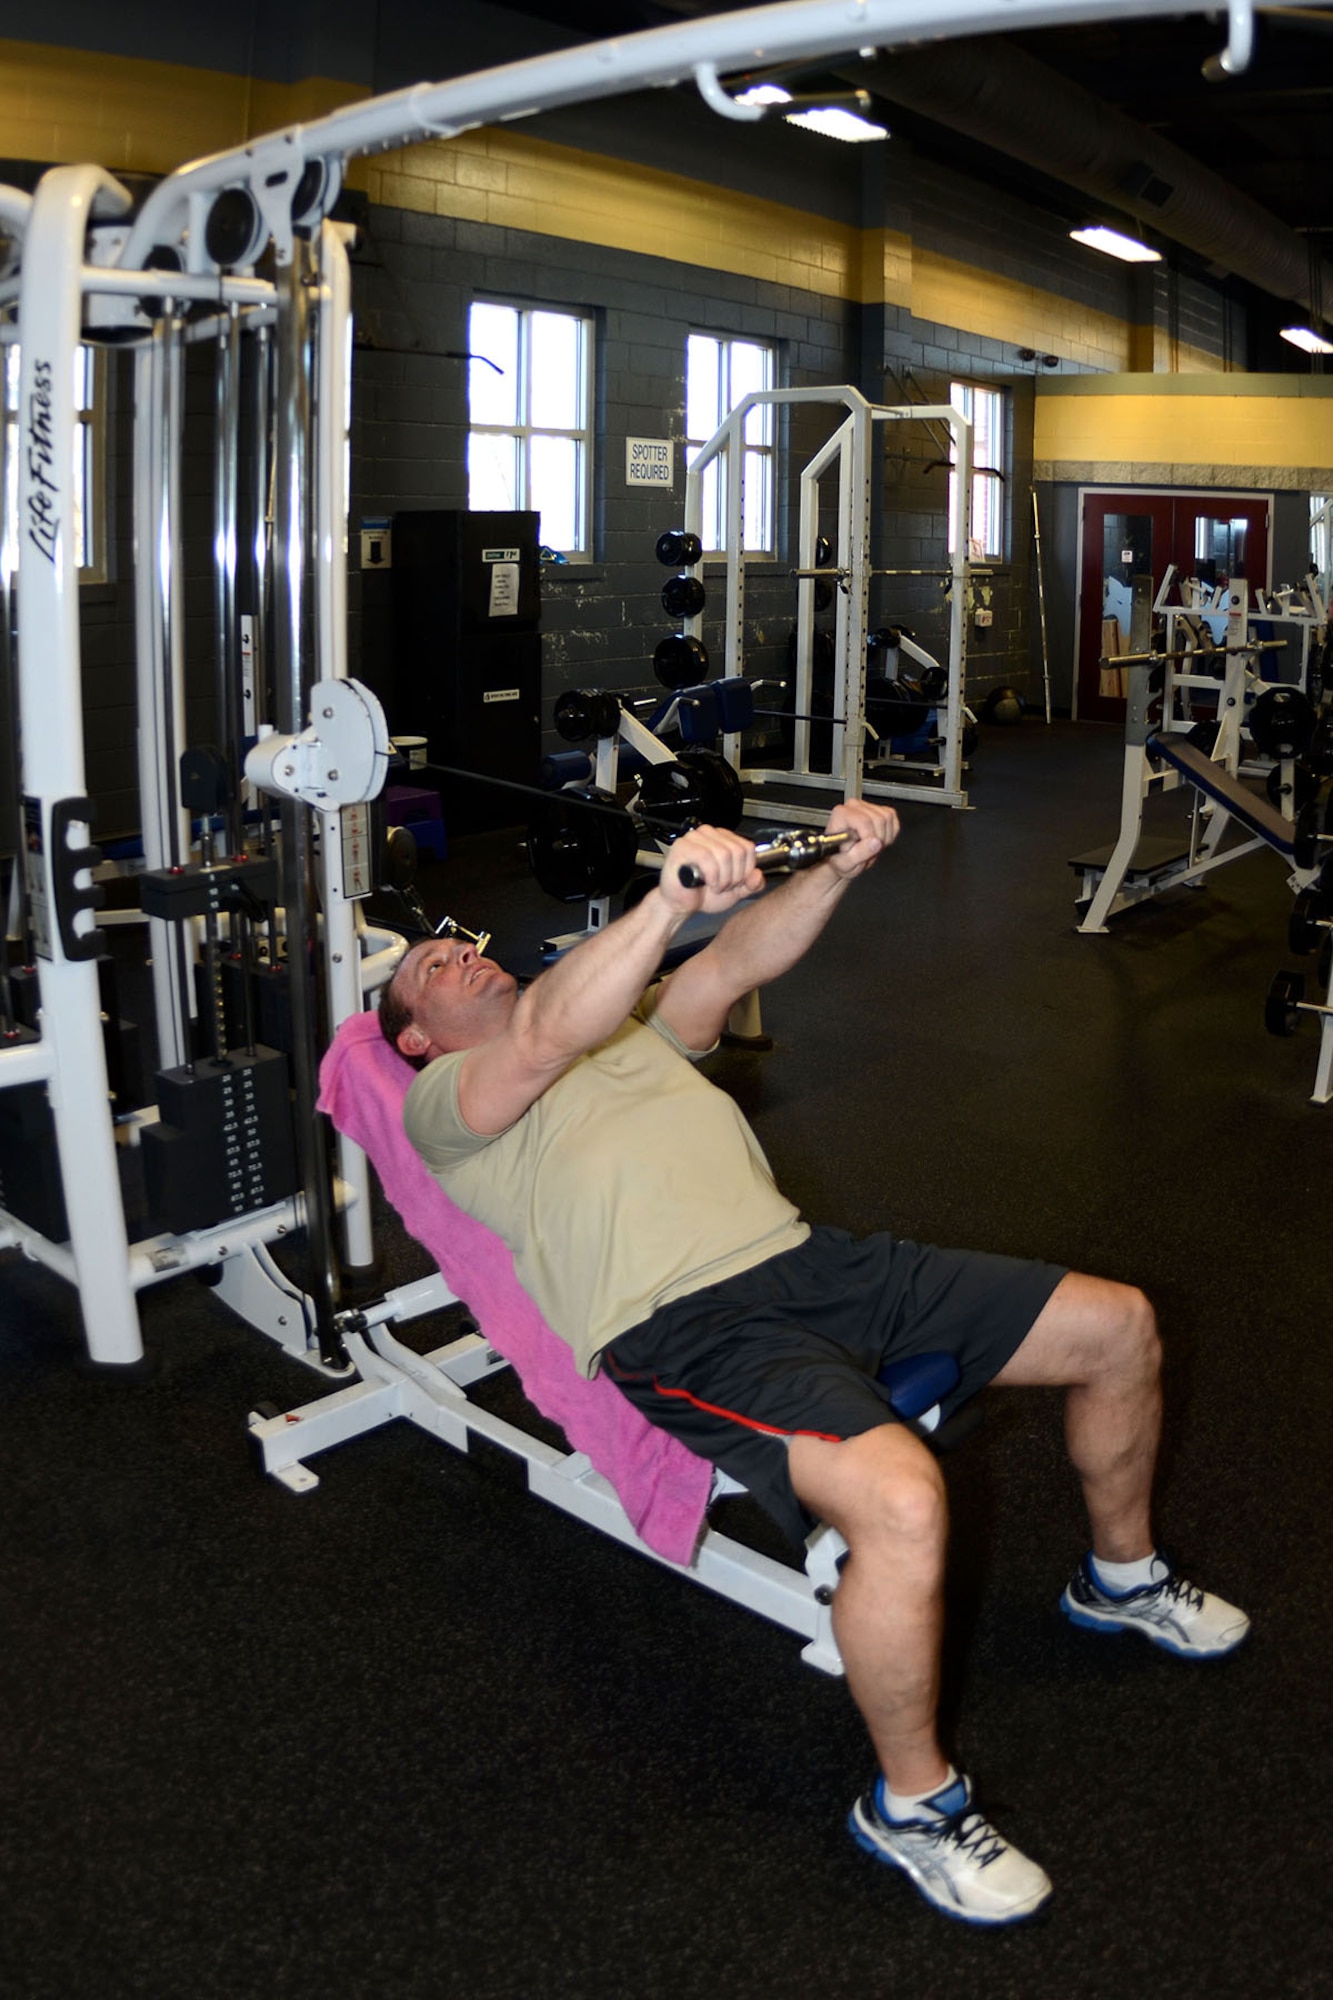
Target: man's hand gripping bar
[782, 855]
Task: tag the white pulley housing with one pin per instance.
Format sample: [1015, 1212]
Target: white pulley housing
[340, 760]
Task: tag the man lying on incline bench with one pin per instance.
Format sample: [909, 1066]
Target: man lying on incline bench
[645, 1223]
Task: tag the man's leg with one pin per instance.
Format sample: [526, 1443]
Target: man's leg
[883, 1492]
[1099, 1341]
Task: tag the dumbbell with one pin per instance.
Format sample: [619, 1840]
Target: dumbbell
[581, 713]
[683, 597]
[678, 548]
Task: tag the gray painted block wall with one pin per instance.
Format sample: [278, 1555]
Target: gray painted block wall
[415, 277]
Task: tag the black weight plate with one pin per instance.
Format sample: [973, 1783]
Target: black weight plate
[1302, 926]
[668, 794]
[680, 660]
[1304, 785]
[575, 851]
[1319, 751]
[717, 784]
[1281, 1008]
[683, 597]
[1281, 721]
[895, 708]
[1305, 848]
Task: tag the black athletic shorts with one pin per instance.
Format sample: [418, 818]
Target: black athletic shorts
[796, 1344]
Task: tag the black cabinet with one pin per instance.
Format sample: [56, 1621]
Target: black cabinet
[467, 655]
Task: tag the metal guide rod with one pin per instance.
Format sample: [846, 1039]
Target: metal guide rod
[226, 498]
[291, 544]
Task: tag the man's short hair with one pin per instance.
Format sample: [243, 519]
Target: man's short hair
[395, 1015]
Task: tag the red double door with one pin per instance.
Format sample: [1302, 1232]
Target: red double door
[1213, 536]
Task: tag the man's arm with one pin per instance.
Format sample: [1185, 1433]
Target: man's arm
[772, 933]
[585, 996]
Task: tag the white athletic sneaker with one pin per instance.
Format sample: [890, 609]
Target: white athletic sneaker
[957, 1861]
[1172, 1613]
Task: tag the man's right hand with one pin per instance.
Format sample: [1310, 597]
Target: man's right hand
[723, 859]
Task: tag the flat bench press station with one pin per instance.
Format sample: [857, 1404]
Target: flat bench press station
[1164, 750]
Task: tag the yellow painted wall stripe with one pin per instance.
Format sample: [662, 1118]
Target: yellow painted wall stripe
[1210, 428]
[135, 115]
[514, 181]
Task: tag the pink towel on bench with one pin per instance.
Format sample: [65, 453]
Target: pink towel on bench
[663, 1487]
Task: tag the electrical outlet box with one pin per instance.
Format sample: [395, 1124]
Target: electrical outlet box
[982, 617]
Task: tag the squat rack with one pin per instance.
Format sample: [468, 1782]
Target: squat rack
[849, 452]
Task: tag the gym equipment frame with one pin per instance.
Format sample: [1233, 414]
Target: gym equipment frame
[848, 451]
[87, 260]
[1161, 687]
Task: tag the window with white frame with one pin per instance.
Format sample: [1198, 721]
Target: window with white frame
[1321, 535]
[529, 397]
[719, 371]
[986, 411]
[89, 517]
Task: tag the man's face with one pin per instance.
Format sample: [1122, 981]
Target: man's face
[458, 997]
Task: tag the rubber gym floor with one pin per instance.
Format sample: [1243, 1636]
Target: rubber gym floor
[417, 1734]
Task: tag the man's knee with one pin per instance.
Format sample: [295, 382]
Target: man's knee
[1136, 1346]
[885, 1486]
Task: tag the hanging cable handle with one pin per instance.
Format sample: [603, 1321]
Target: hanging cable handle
[784, 854]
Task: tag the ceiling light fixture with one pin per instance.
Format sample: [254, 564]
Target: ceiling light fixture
[823, 115]
[1113, 244]
[1307, 339]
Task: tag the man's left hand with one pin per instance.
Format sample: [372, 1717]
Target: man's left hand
[875, 827]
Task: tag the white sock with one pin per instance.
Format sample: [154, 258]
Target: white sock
[907, 1805]
[1118, 1578]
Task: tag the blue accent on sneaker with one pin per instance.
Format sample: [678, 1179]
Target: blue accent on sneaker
[956, 1860]
[1171, 1613]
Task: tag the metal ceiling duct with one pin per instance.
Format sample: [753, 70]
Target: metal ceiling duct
[996, 93]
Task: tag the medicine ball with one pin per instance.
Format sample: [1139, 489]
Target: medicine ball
[1003, 705]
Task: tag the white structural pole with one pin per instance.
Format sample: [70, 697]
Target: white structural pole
[342, 833]
[50, 698]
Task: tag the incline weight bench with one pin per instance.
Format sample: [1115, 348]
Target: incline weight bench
[666, 1488]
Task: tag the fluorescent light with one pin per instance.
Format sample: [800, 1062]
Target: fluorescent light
[830, 119]
[835, 123]
[1115, 245]
[1305, 337]
[764, 93]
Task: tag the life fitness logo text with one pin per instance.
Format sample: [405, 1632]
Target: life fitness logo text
[43, 491]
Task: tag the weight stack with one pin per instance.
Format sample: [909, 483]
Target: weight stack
[225, 1144]
[30, 1185]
